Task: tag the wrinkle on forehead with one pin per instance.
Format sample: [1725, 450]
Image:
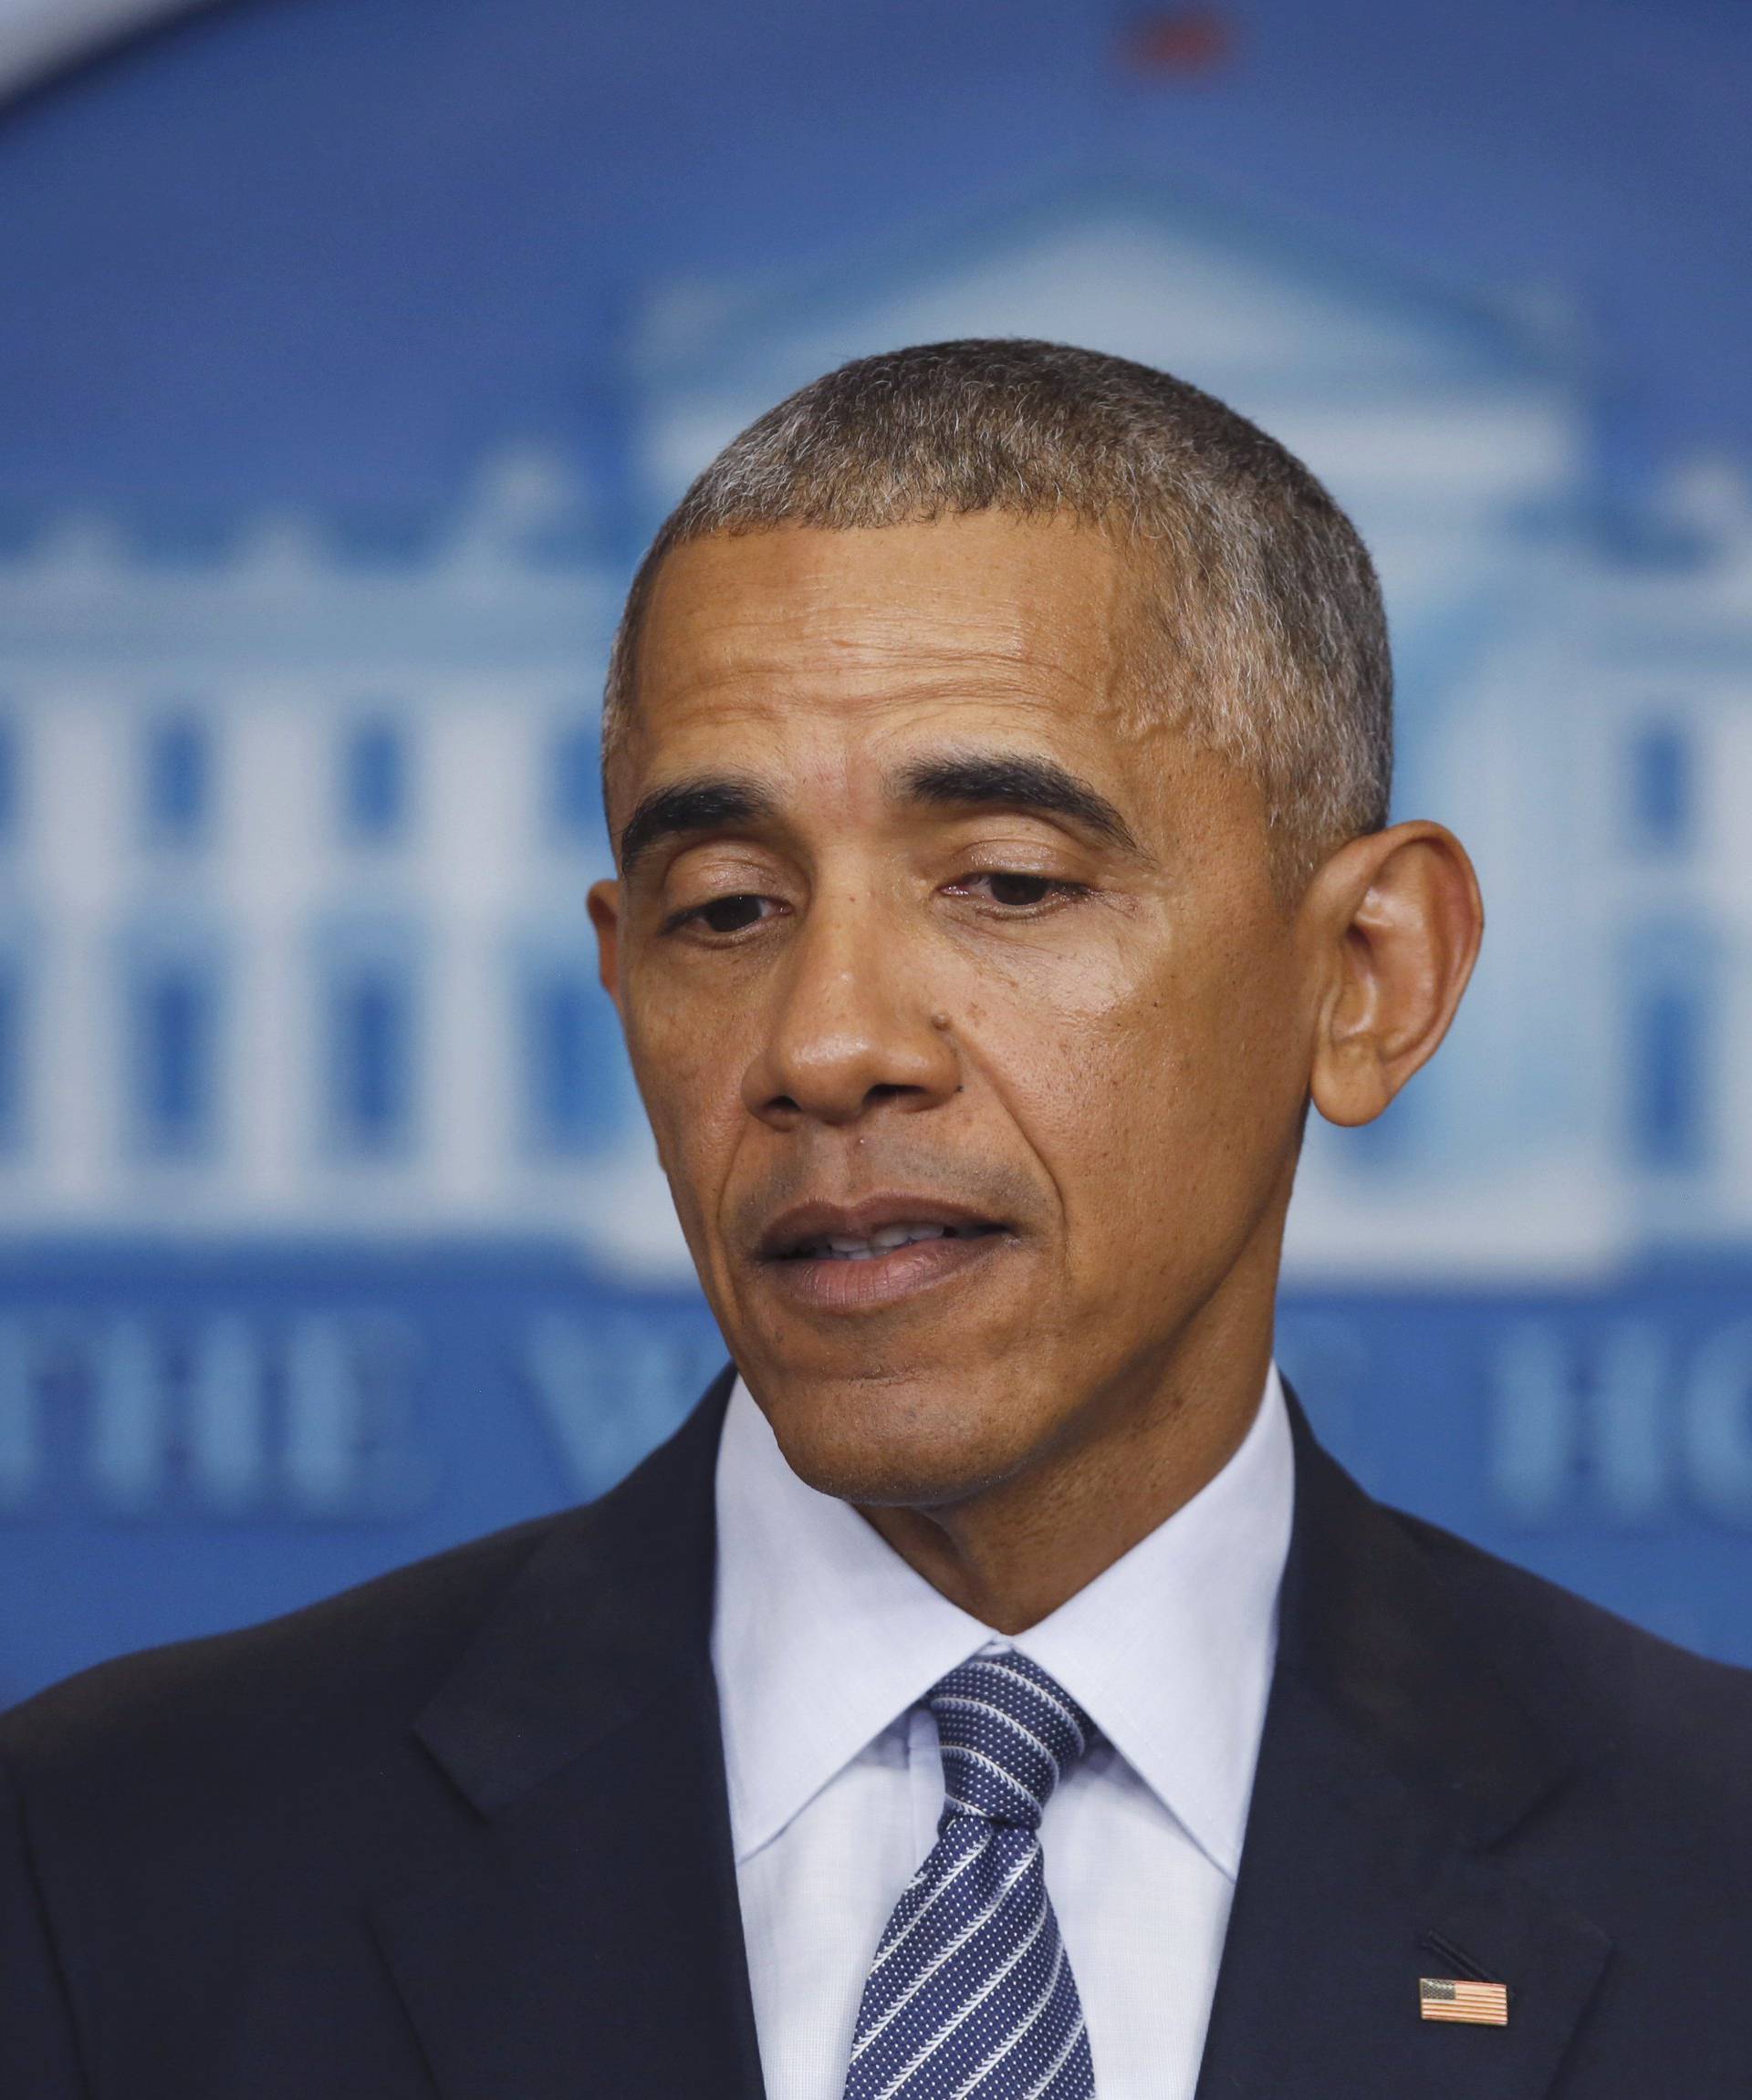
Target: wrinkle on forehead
[989, 605]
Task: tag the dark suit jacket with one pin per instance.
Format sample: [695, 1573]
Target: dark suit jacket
[462, 1833]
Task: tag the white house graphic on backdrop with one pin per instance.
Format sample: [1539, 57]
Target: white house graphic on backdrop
[291, 931]
[292, 935]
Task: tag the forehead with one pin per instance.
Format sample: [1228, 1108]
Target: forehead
[830, 668]
[866, 629]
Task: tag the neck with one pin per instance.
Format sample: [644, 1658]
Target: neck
[1015, 1552]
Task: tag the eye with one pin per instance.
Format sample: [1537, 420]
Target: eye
[1016, 891]
[724, 915]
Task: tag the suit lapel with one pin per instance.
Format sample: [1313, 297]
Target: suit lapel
[581, 1934]
[1394, 1769]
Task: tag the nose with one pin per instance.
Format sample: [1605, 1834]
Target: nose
[850, 1026]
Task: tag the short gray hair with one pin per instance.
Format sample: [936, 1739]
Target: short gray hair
[1266, 614]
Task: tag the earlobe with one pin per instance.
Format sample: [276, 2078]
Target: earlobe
[1397, 919]
[605, 916]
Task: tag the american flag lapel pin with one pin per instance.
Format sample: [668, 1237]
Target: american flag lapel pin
[1458, 1998]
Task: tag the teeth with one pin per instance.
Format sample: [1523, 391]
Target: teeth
[883, 1241]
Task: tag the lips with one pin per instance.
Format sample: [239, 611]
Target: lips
[879, 1226]
[827, 1258]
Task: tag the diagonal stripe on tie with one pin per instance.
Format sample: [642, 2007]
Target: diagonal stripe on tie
[1009, 1720]
[971, 1995]
[998, 1770]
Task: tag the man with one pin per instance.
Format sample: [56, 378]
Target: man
[992, 1689]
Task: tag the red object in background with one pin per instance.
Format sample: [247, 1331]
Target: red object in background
[1178, 41]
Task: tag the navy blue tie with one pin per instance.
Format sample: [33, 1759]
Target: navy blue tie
[970, 1996]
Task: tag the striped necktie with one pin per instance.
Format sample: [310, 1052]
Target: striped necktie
[970, 1996]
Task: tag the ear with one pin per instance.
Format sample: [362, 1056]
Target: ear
[605, 916]
[1394, 922]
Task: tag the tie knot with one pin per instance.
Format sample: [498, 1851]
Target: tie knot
[1008, 1734]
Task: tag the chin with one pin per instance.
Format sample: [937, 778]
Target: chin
[916, 1443]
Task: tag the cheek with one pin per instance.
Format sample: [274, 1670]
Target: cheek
[688, 1073]
[1157, 1098]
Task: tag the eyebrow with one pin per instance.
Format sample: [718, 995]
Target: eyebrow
[960, 780]
[706, 804]
[1036, 787]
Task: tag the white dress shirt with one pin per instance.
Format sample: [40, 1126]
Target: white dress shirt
[824, 1641]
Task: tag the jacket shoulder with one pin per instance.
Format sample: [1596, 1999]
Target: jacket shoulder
[316, 1712]
[341, 1668]
[1617, 1693]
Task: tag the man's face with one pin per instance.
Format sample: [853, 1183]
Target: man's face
[967, 1017]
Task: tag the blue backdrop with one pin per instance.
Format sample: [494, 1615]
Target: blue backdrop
[350, 350]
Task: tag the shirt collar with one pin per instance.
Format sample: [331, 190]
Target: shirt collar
[823, 1635]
